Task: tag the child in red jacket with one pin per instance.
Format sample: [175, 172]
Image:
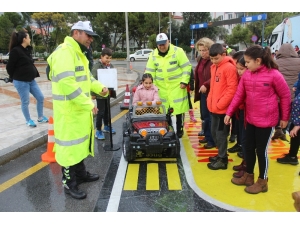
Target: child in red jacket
[223, 85]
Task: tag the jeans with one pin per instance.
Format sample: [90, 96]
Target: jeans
[24, 88]
[206, 119]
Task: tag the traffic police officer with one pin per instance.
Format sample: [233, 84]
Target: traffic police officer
[171, 71]
[73, 107]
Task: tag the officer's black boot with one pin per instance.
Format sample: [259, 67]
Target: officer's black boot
[88, 178]
[74, 192]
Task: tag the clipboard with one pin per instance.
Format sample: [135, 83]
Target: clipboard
[108, 77]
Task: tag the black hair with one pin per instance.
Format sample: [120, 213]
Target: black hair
[242, 61]
[238, 55]
[16, 39]
[216, 49]
[145, 76]
[257, 51]
[106, 51]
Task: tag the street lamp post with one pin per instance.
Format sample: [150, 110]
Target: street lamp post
[170, 31]
[176, 39]
[158, 22]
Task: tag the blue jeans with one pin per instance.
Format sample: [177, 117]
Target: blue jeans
[206, 119]
[24, 88]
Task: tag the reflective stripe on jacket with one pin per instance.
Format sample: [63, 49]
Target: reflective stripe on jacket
[72, 83]
[168, 72]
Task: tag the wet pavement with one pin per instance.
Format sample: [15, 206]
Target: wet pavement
[15, 137]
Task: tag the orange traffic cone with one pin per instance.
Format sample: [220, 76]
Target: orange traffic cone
[130, 66]
[125, 104]
[49, 156]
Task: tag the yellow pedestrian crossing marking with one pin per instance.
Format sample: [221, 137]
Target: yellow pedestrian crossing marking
[174, 182]
[152, 179]
[152, 175]
[131, 181]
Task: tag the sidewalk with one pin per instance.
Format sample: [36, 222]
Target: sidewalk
[15, 137]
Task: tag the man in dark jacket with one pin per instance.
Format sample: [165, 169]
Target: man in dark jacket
[288, 62]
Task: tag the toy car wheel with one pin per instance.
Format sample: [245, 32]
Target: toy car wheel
[125, 149]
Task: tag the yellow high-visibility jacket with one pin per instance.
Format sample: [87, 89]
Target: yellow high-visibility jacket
[72, 83]
[168, 72]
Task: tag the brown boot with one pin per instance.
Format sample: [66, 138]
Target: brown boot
[239, 167]
[239, 174]
[279, 134]
[296, 197]
[247, 179]
[261, 185]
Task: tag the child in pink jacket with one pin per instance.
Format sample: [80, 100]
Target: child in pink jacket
[146, 91]
[260, 87]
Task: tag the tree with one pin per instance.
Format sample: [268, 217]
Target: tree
[9, 22]
[46, 22]
[239, 34]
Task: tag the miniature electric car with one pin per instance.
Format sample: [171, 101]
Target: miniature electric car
[148, 133]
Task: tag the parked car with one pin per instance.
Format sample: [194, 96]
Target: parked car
[142, 54]
[4, 58]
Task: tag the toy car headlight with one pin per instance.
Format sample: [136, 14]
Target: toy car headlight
[149, 103]
[143, 132]
[162, 131]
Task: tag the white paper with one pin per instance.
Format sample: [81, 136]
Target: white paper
[108, 77]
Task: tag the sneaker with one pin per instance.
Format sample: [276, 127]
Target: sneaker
[232, 138]
[99, 135]
[107, 130]
[180, 134]
[288, 160]
[213, 158]
[240, 154]
[202, 141]
[209, 146]
[235, 148]
[218, 164]
[30, 123]
[201, 133]
[43, 120]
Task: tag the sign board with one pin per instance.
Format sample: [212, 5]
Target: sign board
[198, 26]
[254, 38]
[108, 77]
[192, 41]
[254, 18]
[192, 46]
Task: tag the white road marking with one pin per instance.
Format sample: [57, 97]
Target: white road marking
[116, 192]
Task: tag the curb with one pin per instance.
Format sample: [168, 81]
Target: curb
[22, 147]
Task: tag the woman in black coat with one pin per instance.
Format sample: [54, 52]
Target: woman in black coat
[22, 72]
